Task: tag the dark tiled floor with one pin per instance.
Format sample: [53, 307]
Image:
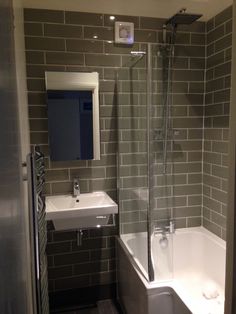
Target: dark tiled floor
[103, 307]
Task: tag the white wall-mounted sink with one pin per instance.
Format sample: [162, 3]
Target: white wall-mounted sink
[85, 211]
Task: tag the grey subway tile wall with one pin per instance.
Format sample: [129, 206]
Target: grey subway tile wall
[64, 41]
[216, 122]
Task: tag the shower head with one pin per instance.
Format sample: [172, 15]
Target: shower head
[180, 18]
[183, 18]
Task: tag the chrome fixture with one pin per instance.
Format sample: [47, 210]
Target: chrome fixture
[170, 229]
[79, 235]
[183, 18]
[138, 53]
[136, 56]
[38, 231]
[167, 52]
[163, 231]
[76, 187]
[164, 241]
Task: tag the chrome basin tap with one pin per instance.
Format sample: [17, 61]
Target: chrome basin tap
[76, 187]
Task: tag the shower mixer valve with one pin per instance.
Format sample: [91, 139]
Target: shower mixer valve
[166, 229]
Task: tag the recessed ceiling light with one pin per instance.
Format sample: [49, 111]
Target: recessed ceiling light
[112, 17]
[95, 36]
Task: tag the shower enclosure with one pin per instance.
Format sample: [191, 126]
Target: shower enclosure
[151, 140]
[164, 219]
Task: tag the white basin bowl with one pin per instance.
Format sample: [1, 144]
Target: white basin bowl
[85, 211]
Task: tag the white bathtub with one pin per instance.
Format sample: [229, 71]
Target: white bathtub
[193, 259]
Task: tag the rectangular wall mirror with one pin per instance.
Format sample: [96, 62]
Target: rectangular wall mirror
[73, 115]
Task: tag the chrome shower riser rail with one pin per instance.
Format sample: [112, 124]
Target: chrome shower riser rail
[167, 104]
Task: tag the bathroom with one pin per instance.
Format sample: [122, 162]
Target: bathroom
[151, 225]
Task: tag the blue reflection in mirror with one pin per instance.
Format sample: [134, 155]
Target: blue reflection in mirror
[70, 124]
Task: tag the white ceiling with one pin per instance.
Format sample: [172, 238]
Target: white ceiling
[152, 8]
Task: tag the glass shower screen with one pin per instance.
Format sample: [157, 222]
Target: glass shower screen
[133, 156]
[143, 220]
